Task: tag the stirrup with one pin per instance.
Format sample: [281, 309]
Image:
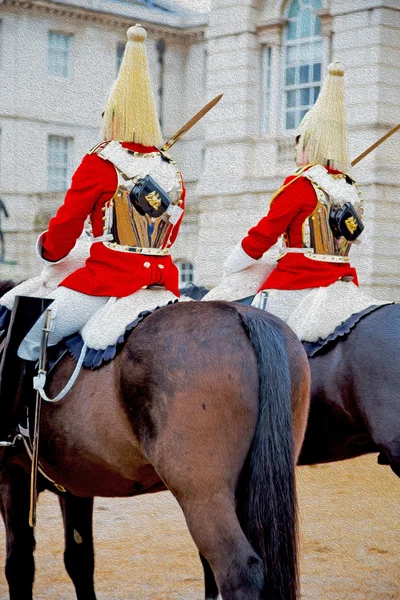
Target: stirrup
[8, 444]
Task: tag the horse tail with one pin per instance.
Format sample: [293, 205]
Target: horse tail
[267, 505]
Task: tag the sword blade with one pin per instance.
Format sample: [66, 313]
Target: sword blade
[375, 145]
[181, 132]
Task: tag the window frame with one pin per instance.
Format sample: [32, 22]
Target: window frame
[297, 86]
[66, 52]
[66, 166]
[180, 264]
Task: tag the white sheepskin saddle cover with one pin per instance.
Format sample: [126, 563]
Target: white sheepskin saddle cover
[110, 322]
[312, 314]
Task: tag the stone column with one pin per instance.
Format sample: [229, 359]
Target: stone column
[366, 39]
[232, 68]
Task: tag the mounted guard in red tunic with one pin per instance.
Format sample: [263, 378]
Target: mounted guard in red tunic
[133, 197]
[318, 215]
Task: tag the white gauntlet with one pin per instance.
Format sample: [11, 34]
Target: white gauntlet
[238, 260]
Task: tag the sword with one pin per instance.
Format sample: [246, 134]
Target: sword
[181, 132]
[375, 145]
[38, 412]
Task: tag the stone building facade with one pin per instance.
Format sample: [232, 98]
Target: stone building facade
[58, 60]
[259, 53]
[268, 58]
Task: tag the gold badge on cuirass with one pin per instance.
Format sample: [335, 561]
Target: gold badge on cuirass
[351, 224]
[153, 199]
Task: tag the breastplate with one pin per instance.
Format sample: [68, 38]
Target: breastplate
[132, 226]
[332, 191]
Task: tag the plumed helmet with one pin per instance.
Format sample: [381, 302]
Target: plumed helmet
[323, 130]
[130, 113]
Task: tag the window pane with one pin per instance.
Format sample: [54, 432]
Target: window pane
[120, 54]
[317, 26]
[305, 23]
[316, 93]
[294, 9]
[305, 97]
[291, 99]
[304, 74]
[291, 30]
[290, 120]
[291, 55]
[305, 52]
[290, 76]
[316, 51]
[317, 72]
[302, 115]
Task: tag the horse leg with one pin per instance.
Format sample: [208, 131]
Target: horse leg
[79, 553]
[20, 541]
[216, 531]
[209, 580]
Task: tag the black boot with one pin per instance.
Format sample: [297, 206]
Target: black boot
[25, 313]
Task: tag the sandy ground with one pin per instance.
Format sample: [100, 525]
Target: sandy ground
[350, 523]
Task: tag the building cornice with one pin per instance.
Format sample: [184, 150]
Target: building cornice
[170, 26]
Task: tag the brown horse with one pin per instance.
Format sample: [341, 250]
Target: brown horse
[208, 400]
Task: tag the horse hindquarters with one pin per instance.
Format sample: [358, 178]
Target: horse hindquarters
[196, 417]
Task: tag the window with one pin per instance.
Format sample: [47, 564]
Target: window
[120, 54]
[303, 60]
[266, 88]
[59, 151]
[186, 272]
[161, 47]
[59, 46]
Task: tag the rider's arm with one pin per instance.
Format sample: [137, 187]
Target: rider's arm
[66, 227]
[283, 210]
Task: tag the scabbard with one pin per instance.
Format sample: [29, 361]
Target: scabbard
[36, 428]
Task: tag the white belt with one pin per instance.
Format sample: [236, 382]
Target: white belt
[309, 253]
[300, 250]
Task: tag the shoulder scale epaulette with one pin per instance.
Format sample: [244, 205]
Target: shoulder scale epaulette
[97, 147]
[298, 173]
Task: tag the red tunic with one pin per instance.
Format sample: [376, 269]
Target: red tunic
[287, 214]
[106, 272]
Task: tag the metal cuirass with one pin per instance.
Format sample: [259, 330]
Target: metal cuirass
[146, 205]
[335, 193]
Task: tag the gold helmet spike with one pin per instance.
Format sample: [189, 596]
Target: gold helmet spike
[130, 114]
[323, 130]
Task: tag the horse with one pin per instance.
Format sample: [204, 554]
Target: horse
[209, 401]
[355, 398]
